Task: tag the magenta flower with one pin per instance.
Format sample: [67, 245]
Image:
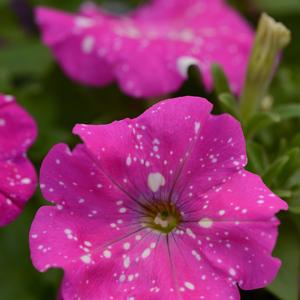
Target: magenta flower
[148, 52]
[17, 175]
[157, 207]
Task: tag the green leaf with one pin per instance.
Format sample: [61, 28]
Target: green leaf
[295, 141]
[291, 166]
[294, 182]
[274, 169]
[294, 209]
[3, 2]
[283, 193]
[288, 111]
[260, 121]
[25, 58]
[257, 157]
[294, 202]
[286, 285]
[228, 104]
[220, 80]
[280, 7]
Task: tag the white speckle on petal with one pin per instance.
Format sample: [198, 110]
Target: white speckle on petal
[189, 285]
[222, 212]
[190, 233]
[86, 258]
[183, 64]
[128, 161]
[196, 255]
[197, 127]
[146, 253]
[122, 210]
[232, 272]
[107, 254]
[206, 223]
[88, 44]
[84, 22]
[9, 98]
[122, 278]
[126, 262]
[126, 246]
[155, 181]
[26, 181]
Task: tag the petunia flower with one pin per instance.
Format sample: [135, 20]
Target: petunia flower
[148, 51]
[17, 175]
[157, 207]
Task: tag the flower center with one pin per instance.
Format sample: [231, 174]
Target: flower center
[162, 217]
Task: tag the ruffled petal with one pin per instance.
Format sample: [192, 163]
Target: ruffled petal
[143, 155]
[73, 41]
[162, 38]
[17, 175]
[17, 128]
[157, 207]
[237, 229]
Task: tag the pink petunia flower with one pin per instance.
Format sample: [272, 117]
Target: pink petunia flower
[157, 207]
[148, 52]
[17, 175]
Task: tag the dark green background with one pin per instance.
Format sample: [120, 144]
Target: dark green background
[28, 71]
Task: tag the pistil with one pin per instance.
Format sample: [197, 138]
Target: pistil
[162, 216]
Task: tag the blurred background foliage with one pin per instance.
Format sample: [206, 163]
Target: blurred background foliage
[28, 71]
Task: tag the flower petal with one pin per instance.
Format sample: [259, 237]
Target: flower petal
[12, 119]
[237, 229]
[143, 155]
[73, 42]
[17, 175]
[218, 154]
[162, 38]
[130, 177]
